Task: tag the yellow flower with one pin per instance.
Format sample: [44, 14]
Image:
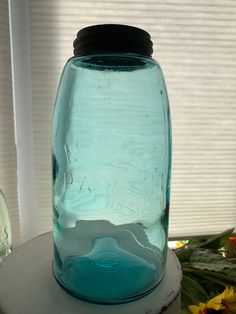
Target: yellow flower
[200, 309]
[179, 244]
[215, 304]
[224, 301]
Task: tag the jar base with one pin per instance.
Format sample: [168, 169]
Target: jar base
[105, 301]
[114, 264]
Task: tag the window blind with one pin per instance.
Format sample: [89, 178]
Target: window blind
[195, 43]
[8, 177]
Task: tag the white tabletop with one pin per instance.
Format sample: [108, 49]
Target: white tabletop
[27, 286]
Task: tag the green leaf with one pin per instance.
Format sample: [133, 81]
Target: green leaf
[192, 291]
[231, 259]
[205, 270]
[184, 311]
[200, 277]
[225, 279]
[217, 281]
[206, 259]
[218, 241]
[184, 254]
[212, 288]
[214, 242]
[195, 243]
[230, 273]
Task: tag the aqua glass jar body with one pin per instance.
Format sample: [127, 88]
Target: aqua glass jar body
[111, 154]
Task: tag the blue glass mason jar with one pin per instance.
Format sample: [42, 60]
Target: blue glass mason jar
[111, 162]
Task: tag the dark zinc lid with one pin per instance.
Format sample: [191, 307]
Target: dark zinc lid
[104, 38]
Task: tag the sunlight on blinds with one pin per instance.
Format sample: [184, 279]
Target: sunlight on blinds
[195, 44]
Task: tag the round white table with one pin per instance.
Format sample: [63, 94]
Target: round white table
[27, 286]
